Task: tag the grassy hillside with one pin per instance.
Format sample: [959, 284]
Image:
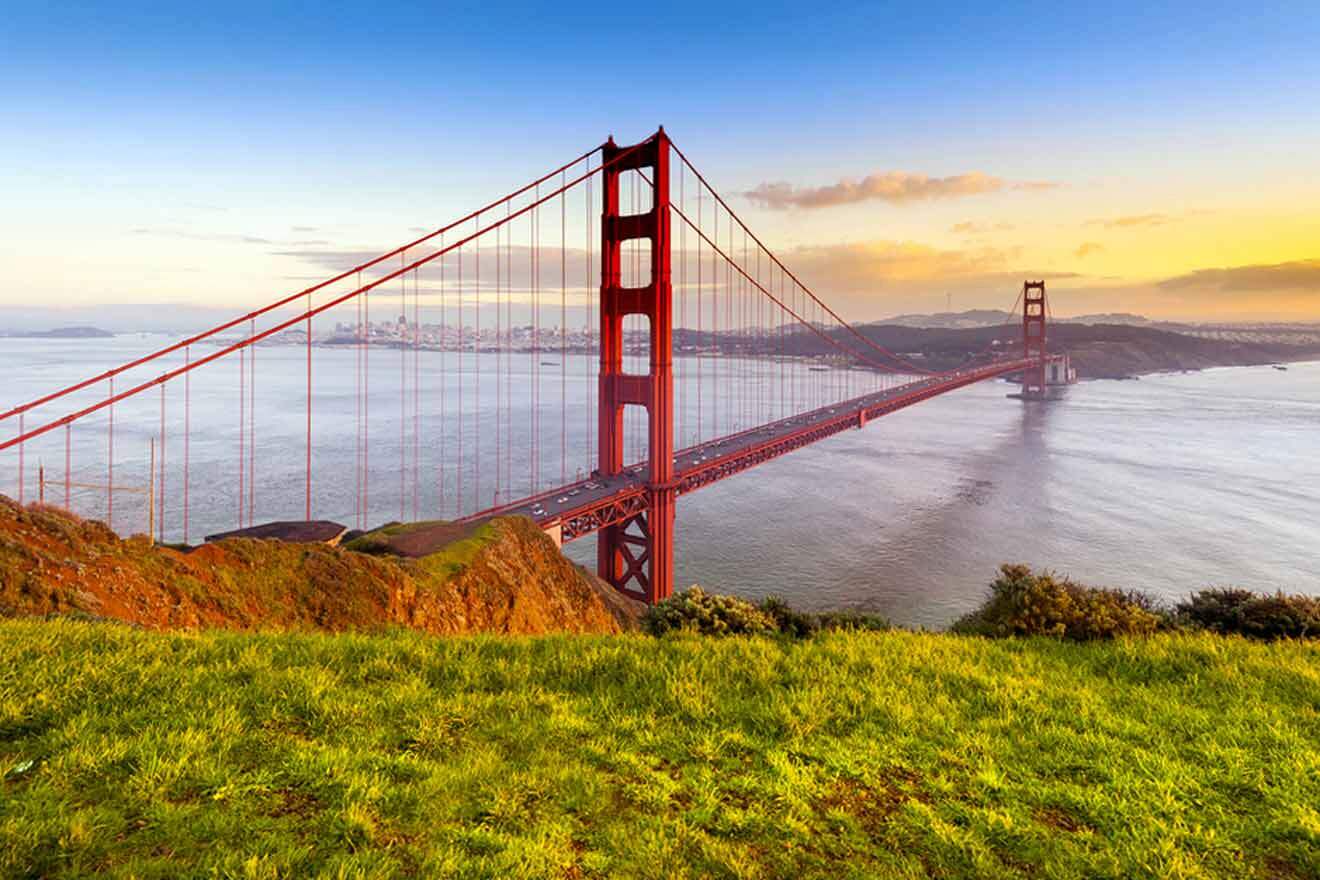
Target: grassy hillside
[503, 576]
[147, 754]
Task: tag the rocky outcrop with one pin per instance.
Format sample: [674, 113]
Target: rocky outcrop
[505, 576]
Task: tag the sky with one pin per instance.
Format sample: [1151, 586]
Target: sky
[1162, 159]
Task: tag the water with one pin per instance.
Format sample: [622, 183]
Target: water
[1168, 484]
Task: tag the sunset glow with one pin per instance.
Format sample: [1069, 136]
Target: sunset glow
[1171, 176]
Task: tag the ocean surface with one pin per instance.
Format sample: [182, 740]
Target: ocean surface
[1166, 484]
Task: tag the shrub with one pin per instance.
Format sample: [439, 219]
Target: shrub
[788, 620]
[1241, 612]
[1022, 603]
[1212, 609]
[695, 609]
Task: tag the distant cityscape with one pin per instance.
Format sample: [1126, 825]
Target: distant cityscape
[446, 337]
[518, 338]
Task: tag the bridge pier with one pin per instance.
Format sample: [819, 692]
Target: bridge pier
[637, 556]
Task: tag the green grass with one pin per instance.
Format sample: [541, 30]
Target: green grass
[455, 556]
[444, 562]
[141, 754]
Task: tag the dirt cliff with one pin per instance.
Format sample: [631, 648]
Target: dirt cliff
[504, 576]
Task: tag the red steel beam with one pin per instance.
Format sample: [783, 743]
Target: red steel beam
[629, 502]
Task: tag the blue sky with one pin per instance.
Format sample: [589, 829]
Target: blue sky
[251, 119]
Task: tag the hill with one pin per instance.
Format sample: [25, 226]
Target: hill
[132, 753]
[78, 332]
[505, 576]
[950, 320]
[998, 317]
[1099, 351]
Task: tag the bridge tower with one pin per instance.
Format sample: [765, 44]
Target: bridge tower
[1033, 337]
[637, 555]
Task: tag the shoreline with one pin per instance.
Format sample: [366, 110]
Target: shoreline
[1080, 355]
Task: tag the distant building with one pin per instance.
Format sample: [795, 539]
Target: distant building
[1059, 371]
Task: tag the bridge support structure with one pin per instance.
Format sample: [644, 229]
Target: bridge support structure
[1033, 338]
[636, 556]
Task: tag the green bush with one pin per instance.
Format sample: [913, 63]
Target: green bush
[696, 610]
[1242, 612]
[1022, 603]
[788, 620]
[1212, 609]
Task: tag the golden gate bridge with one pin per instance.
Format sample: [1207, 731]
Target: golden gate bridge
[632, 240]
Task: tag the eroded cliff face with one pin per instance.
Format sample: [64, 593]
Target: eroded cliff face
[508, 577]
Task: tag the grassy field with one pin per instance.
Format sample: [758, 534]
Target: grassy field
[142, 754]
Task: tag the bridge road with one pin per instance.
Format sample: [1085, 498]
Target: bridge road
[731, 454]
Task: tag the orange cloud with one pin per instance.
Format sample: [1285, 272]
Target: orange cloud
[1036, 185]
[1132, 220]
[973, 228]
[895, 187]
[867, 266]
[1298, 275]
[1088, 248]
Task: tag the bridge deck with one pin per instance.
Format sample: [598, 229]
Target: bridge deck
[586, 506]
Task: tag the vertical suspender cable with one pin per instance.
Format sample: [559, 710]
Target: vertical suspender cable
[403, 385]
[417, 392]
[110, 463]
[444, 410]
[590, 330]
[160, 509]
[357, 396]
[536, 343]
[682, 305]
[563, 331]
[68, 462]
[508, 369]
[252, 425]
[187, 435]
[714, 322]
[499, 360]
[242, 432]
[307, 465]
[458, 474]
[366, 413]
[476, 373]
[701, 286]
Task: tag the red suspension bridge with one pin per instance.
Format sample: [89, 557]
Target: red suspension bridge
[583, 351]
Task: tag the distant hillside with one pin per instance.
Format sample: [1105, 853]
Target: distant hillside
[1109, 318]
[1099, 351]
[63, 333]
[951, 320]
[995, 317]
